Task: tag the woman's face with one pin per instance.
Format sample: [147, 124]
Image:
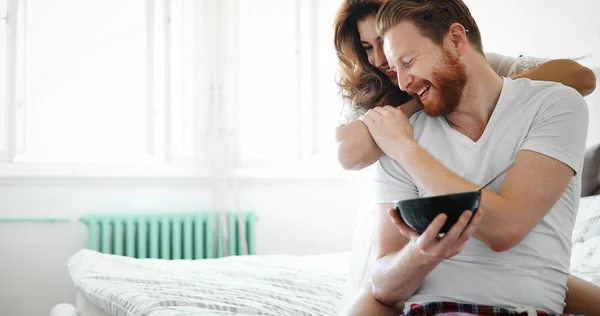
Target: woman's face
[373, 46]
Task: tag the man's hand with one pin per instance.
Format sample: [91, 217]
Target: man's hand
[446, 247]
[390, 128]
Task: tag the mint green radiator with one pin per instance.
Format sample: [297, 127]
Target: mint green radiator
[172, 236]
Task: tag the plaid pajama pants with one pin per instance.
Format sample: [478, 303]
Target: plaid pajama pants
[455, 309]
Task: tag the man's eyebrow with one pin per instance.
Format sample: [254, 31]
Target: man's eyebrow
[407, 53]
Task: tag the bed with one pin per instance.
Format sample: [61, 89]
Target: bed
[243, 285]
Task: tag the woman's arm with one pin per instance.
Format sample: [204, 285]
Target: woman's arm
[356, 147]
[582, 297]
[565, 71]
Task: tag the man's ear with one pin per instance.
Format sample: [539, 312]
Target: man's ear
[457, 39]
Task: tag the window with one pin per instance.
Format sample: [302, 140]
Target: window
[330, 104]
[85, 81]
[3, 68]
[268, 96]
[113, 82]
[289, 104]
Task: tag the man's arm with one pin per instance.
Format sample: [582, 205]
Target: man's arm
[534, 183]
[398, 271]
[392, 284]
[405, 258]
[551, 153]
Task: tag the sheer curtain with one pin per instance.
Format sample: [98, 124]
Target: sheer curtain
[218, 23]
[362, 244]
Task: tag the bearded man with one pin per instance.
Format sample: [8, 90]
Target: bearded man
[512, 256]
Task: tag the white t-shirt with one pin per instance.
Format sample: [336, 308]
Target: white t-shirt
[545, 117]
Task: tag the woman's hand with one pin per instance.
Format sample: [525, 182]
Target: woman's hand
[390, 129]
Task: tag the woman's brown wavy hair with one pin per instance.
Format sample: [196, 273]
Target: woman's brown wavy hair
[361, 83]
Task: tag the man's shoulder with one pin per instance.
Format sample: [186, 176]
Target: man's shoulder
[425, 126]
[545, 94]
[420, 118]
[538, 88]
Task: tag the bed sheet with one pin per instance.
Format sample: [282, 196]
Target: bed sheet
[244, 285]
[86, 308]
[585, 254]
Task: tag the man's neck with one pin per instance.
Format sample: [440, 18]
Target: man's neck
[478, 101]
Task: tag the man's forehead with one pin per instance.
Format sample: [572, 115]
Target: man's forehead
[401, 39]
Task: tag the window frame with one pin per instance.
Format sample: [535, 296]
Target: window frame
[158, 127]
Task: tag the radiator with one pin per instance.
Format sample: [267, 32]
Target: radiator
[199, 235]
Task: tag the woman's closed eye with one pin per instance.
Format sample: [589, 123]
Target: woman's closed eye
[368, 47]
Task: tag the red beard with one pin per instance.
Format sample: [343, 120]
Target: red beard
[450, 80]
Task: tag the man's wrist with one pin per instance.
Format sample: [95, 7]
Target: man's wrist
[422, 259]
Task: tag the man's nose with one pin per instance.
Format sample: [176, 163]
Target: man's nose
[405, 80]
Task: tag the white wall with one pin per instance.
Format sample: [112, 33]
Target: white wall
[296, 216]
[546, 29]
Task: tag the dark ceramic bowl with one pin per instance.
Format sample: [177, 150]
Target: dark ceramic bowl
[419, 213]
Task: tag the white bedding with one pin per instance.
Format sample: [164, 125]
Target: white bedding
[585, 255]
[86, 308]
[251, 285]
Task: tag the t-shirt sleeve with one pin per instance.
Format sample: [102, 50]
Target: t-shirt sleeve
[392, 182]
[508, 66]
[350, 113]
[500, 63]
[524, 64]
[559, 129]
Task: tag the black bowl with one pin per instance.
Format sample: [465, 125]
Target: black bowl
[419, 213]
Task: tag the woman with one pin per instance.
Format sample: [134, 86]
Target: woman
[366, 81]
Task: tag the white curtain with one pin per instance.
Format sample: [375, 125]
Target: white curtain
[362, 243]
[218, 23]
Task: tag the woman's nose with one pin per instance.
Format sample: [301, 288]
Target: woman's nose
[380, 60]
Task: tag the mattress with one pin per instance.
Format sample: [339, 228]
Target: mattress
[86, 308]
[242, 285]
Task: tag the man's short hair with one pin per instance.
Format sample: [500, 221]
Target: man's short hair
[432, 17]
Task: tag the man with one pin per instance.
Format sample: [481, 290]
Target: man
[514, 252]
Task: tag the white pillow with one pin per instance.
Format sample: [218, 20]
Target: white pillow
[585, 260]
[587, 223]
[585, 254]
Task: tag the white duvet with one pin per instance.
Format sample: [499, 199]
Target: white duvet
[250, 285]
